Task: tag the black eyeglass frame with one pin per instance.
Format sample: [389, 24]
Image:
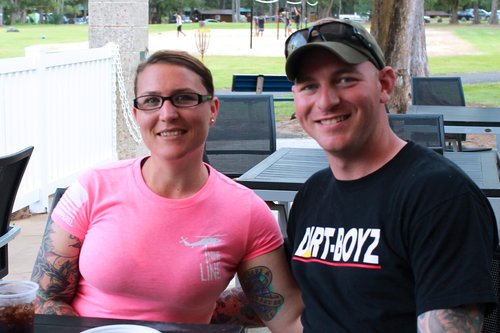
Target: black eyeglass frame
[171, 98]
[366, 44]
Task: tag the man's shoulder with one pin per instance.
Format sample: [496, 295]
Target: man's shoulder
[424, 161]
[320, 176]
[319, 182]
[429, 171]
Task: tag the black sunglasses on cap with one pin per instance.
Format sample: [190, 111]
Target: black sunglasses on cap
[336, 31]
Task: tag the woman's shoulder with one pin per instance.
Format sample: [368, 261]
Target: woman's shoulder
[112, 170]
[116, 165]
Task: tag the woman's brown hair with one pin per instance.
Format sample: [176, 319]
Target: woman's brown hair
[179, 58]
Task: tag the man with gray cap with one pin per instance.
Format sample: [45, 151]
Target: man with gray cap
[392, 237]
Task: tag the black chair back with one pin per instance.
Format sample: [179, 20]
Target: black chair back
[55, 199]
[12, 169]
[437, 91]
[442, 91]
[243, 135]
[432, 90]
[426, 130]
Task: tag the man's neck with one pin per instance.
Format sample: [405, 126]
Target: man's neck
[366, 161]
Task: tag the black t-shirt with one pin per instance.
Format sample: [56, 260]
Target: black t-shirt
[370, 255]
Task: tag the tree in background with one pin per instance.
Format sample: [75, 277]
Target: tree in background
[13, 11]
[453, 11]
[477, 19]
[159, 10]
[398, 26]
[332, 8]
[494, 7]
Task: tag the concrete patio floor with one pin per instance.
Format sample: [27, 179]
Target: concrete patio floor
[24, 248]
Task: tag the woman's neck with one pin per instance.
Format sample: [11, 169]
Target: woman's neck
[174, 181]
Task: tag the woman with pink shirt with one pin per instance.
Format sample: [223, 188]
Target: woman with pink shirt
[159, 237]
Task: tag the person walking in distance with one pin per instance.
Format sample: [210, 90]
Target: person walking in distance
[261, 21]
[178, 21]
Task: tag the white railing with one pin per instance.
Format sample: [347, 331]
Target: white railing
[63, 104]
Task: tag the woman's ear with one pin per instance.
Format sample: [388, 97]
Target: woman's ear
[134, 110]
[387, 77]
[214, 109]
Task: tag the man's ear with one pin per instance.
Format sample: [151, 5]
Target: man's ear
[387, 77]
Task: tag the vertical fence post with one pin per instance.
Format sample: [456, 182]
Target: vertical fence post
[37, 53]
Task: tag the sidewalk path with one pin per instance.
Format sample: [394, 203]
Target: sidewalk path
[474, 78]
[234, 42]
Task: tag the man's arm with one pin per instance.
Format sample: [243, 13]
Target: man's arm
[56, 271]
[468, 318]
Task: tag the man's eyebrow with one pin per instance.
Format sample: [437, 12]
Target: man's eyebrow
[342, 71]
[303, 78]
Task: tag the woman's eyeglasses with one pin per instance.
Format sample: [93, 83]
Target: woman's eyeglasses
[181, 100]
[332, 32]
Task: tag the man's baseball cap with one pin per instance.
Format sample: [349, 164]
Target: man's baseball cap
[346, 39]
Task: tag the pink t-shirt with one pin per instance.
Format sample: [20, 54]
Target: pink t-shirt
[152, 258]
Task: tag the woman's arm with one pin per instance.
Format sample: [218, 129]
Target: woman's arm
[56, 271]
[233, 307]
[269, 296]
[467, 318]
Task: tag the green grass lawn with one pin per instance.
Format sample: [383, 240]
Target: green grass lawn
[484, 38]
[223, 67]
[13, 43]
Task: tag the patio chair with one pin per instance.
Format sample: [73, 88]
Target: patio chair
[243, 135]
[426, 130]
[12, 169]
[441, 91]
[55, 199]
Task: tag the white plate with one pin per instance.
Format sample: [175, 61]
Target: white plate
[122, 329]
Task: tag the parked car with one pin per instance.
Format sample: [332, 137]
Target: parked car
[427, 19]
[465, 15]
[468, 14]
[484, 14]
[81, 20]
[353, 17]
[210, 20]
